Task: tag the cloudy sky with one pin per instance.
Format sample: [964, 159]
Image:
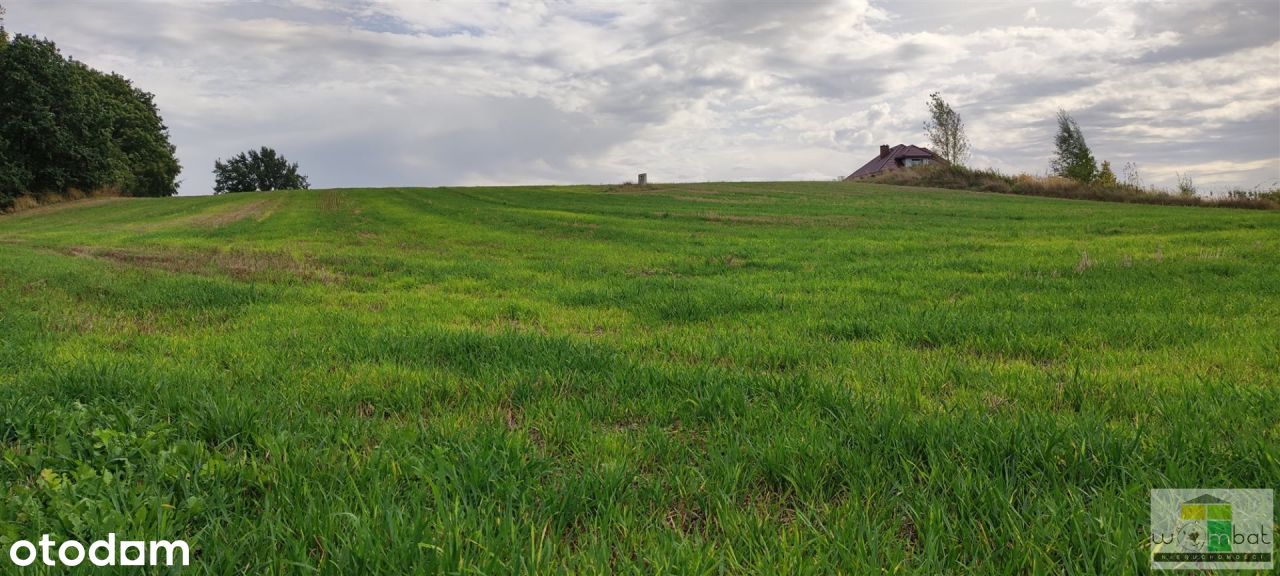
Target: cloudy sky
[418, 92]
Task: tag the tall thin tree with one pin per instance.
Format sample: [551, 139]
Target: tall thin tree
[1072, 158]
[945, 130]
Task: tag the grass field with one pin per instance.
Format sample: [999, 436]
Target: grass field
[702, 378]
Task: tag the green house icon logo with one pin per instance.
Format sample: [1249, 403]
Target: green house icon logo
[1205, 525]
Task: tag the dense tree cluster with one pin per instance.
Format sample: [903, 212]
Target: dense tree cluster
[64, 125]
[257, 170]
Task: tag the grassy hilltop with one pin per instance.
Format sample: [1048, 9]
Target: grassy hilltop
[792, 378]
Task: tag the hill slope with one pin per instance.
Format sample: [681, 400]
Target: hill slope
[792, 377]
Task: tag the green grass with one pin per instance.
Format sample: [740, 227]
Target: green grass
[702, 378]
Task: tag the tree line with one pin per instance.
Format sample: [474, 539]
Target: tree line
[64, 126]
[67, 127]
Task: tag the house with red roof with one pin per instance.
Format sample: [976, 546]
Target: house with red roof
[897, 157]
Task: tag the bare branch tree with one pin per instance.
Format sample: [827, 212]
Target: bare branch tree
[1131, 175]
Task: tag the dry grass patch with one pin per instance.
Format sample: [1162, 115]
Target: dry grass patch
[259, 210]
[687, 518]
[239, 264]
[782, 219]
[709, 200]
[27, 206]
[331, 201]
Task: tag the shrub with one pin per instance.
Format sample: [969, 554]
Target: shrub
[1054, 186]
[1186, 187]
[1251, 198]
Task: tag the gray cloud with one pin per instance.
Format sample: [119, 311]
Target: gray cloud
[402, 92]
[1208, 29]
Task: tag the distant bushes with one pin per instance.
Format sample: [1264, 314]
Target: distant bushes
[961, 178]
[67, 130]
[1076, 174]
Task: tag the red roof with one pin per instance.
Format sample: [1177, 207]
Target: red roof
[893, 160]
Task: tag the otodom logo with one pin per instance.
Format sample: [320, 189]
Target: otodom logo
[1211, 529]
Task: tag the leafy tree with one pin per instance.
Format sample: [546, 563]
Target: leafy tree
[945, 130]
[143, 150]
[8, 172]
[50, 140]
[1106, 177]
[64, 125]
[1073, 158]
[255, 170]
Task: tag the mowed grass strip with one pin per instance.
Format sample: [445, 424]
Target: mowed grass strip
[703, 378]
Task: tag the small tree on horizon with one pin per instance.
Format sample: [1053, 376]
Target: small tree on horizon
[1131, 175]
[257, 170]
[945, 130]
[1106, 176]
[1072, 159]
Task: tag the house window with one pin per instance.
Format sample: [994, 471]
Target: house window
[915, 162]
